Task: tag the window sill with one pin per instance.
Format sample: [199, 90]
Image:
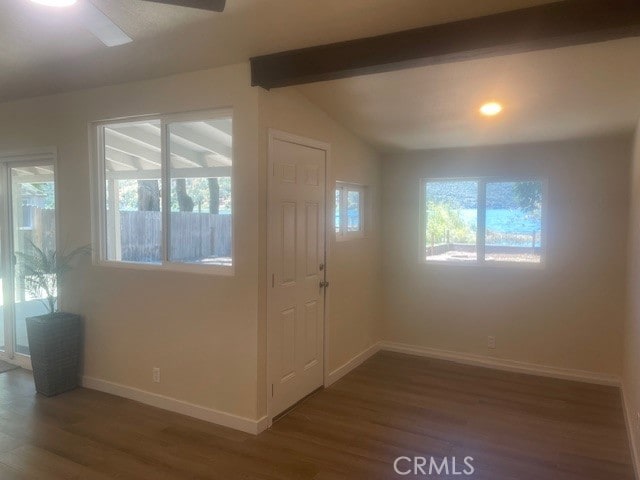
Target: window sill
[214, 270]
[486, 264]
[350, 236]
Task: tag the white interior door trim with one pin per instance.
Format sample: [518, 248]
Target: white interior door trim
[8, 159]
[30, 154]
[273, 135]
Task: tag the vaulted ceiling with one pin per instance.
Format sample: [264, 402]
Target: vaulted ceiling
[44, 51]
[572, 92]
[554, 94]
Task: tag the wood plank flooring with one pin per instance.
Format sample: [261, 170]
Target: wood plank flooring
[516, 427]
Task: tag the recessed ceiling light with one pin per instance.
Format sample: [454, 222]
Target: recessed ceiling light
[55, 3]
[490, 109]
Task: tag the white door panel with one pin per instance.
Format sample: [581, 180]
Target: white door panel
[296, 253]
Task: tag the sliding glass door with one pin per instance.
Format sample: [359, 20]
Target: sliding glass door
[28, 226]
[33, 225]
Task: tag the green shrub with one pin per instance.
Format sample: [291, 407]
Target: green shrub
[443, 219]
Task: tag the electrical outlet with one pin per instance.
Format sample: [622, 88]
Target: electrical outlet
[491, 341]
[156, 375]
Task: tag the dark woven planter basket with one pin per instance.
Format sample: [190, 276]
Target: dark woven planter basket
[54, 344]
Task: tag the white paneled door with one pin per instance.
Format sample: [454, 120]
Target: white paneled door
[296, 265]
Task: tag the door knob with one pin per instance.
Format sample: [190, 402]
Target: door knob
[324, 284]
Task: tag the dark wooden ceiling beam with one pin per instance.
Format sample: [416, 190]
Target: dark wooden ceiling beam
[554, 25]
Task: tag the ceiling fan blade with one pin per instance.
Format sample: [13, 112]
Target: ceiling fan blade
[101, 26]
[212, 5]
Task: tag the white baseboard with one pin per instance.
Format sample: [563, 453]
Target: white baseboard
[503, 364]
[631, 426]
[356, 361]
[256, 426]
[178, 406]
[22, 361]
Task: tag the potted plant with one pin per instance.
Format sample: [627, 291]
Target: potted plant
[55, 337]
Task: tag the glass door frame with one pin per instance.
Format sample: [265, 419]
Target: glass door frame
[26, 158]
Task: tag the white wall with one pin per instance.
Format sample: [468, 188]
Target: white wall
[354, 296]
[631, 366]
[201, 330]
[568, 314]
[206, 333]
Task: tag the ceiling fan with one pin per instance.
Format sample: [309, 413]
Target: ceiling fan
[106, 30]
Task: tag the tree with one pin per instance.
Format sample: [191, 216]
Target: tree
[445, 223]
[214, 195]
[185, 202]
[529, 196]
[148, 196]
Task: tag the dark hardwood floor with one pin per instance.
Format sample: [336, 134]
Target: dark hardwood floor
[514, 426]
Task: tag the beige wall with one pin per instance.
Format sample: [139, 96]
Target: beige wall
[567, 314]
[354, 296]
[205, 332]
[201, 330]
[631, 366]
[208, 333]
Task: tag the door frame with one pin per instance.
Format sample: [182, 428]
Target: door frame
[329, 207]
[9, 159]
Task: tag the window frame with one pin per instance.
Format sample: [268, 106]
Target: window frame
[99, 193]
[342, 231]
[482, 222]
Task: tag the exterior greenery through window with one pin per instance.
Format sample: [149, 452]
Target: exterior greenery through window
[190, 158]
[480, 220]
[349, 210]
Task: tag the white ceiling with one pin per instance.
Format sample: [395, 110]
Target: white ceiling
[548, 95]
[44, 50]
[563, 93]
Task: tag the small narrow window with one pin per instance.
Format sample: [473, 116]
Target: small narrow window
[338, 206]
[349, 213]
[354, 211]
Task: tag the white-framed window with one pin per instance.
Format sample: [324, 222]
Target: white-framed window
[349, 210]
[163, 193]
[483, 221]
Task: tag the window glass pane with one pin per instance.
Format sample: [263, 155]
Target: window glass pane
[33, 207]
[132, 162]
[338, 207]
[452, 219]
[353, 211]
[514, 222]
[201, 215]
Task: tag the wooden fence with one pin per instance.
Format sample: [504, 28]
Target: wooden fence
[35, 225]
[194, 236]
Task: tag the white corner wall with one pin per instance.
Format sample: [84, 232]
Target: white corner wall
[201, 330]
[208, 333]
[205, 332]
[565, 319]
[631, 365]
[354, 296]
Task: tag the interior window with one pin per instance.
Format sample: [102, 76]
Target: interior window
[349, 210]
[167, 202]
